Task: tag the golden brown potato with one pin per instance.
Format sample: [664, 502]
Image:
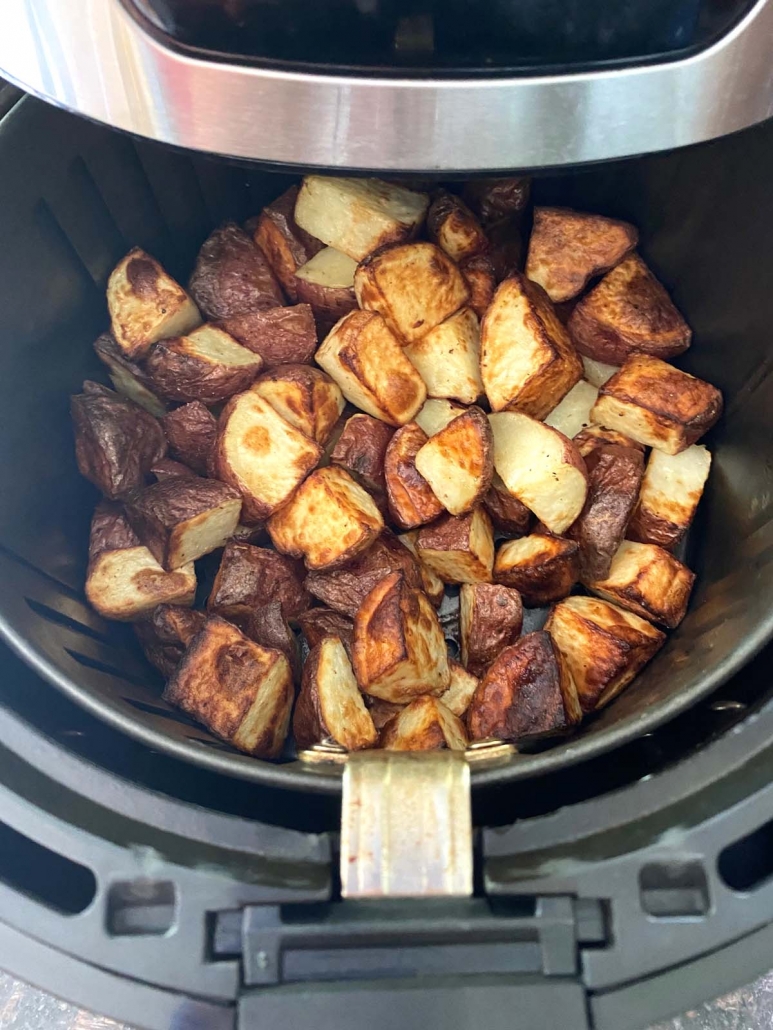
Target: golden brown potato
[399, 648]
[318, 623]
[191, 432]
[424, 725]
[555, 487]
[411, 500]
[414, 287]
[326, 284]
[328, 521]
[166, 468]
[250, 577]
[670, 493]
[448, 358]
[129, 379]
[494, 199]
[281, 336]
[361, 451]
[261, 455]
[542, 568]
[481, 281]
[435, 414]
[356, 216]
[232, 276]
[647, 580]
[461, 691]
[572, 414]
[208, 365]
[282, 240]
[146, 305]
[490, 619]
[629, 312]
[305, 397]
[567, 248]
[330, 706]
[366, 360]
[454, 228]
[459, 548]
[240, 691]
[596, 372]
[432, 585]
[593, 437]
[657, 404]
[458, 462]
[167, 633]
[526, 358]
[604, 646]
[527, 692]
[268, 627]
[508, 514]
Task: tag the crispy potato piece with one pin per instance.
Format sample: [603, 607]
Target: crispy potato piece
[432, 585]
[281, 336]
[448, 358]
[268, 627]
[251, 577]
[261, 455]
[435, 414]
[167, 468]
[424, 725]
[508, 514]
[458, 462]
[490, 619]
[361, 451]
[657, 404]
[542, 568]
[182, 519]
[146, 305]
[328, 521]
[305, 397]
[494, 199]
[411, 500]
[481, 281]
[240, 691]
[555, 487]
[326, 283]
[593, 437]
[191, 432]
[128, 378]
[399, 648]
[454, 228]
[110, 530]
[286, 246]
[647, 580]
[459, 695]
[572, 414]
[381, 712]
[366, 360]
[232, 276]
[670, 493]
[330, 706]
[597, 372]
[167, 633]
[506, 247]
[208, 366]
[459, 548]
[116, 442]
[526, 358]
[604, 646]
[629, 312]
[527, 692]
[567, 248]
[414, 287]
[356, 216]
[318, 623]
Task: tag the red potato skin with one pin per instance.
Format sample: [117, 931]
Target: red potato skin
[232, 276]
[497, 620]
[481, 279]
[250, 577]
[548, 581]
[167, 468]
[177, 376]
[508, 514]
[411, 500]
[361, 451]
[110, 530]
[167, 633]
[282, 240]
[494, 199]
[318, 623]
[191, 432]
[268, 627]
[329, 303]
[281, 336]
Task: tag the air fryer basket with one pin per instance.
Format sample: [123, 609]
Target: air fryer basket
[76, 196]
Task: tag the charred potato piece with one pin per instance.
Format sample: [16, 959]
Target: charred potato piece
[604, 646]
[146, 305]
[328, 521]
[494, 199]
[572, 414]
[540, 567]
[647, 580]
[330, 706]
[167, 633]
[670, 493]
[457, 462]
[527, 692]
[282, 240]
[116, 442]
[459, 695]
[459, 548]
[490, 619]
[454, 228]
[166, 468]
[252, 577]
[128, 378]
[508, 514]
[326, 284]
[526, 358]
[356, 216]
[399, 648]
[280, 336]
[411, 500]
[567, 248]
[435, 414]
[594, 437]
[361, 451]
[182, 519]
[268, 627]
[191, 432]
[381, 712]
[240, 691]
[424, 725]
[207, 366]
[448, 358]
[629, 312]
[481, 281]
[366, 360]
[657, 404]
[555, 487]
[432, 585]
[505, 250]
[318, 623]
[232, 276]
[414, 288]
[261, 455]
[305, 397]
[597, 372]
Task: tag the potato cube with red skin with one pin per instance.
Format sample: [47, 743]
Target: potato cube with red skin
[280, 336]
[541, 567]
[318, 623]
[432, 585]
[208, 365]
[458, 462]
[250, 577]
[595, 436]
[167, 633]
[508, 514]
[459, 548]
[232, 276]
[460, 693]
[411, 500]
[495, 198]
[670, 493]
[490, 619]
[381, 712]
[330, 707]
[305, 397]
[268, 627]
[361, 451]
[128, 377]
[647, 580]
[448, 358]
[326, 284]
[191, 432]
[454, 228]
[425, 724]
[481, 281]
[167, 468]
[286, 246]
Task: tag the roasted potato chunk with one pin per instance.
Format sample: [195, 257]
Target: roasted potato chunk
[326, 284]
[146, 305]
[526, 358]
[629, 312]
[328, 521]
[462, 690]
[495, 199]
[261, 455]
[527, 692]
[432, 585]
[481, 281]
[280, 336]
[508, 514]
[670, 493]
[490, 619]
[240, 691]
[305, 397]
[268, 627]
[128, 378]
[555, 487]
[459, 548]
[399, 648]
[166, 468]
[424, 725]
[366, 360]
[116, 442]
[285, 245]
[572, 414]
[232, 276]
[604, 646]
[594, 437]
[180, 520]
[597, 372]
[191, 432]
[506, 247]
[542, 568]
[411, 500]
[361, 451]
[110, 530]
[657, 404]
[567, 248]
[435, 414]
[647, 580]
[454, 228]
[252, 577]
[207, 366]
[356, 216]
[167, 633]
[448, 358]
[330, 706]
[414, 287]
[318, 623]
[458, 462]
[381, 712]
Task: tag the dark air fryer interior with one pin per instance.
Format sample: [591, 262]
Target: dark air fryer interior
[76, 196]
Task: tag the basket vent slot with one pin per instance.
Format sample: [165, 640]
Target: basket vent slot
[44, 875]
